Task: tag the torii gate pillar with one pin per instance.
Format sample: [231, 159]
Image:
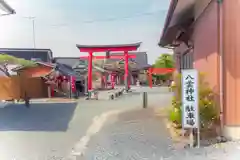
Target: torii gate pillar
[90, 57]
[126, 81]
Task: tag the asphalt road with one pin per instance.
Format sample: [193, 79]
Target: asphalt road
[49, 131]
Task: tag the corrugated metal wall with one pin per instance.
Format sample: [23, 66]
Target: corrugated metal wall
[15, 87]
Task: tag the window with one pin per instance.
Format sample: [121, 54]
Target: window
[186, 60]
[35, 59]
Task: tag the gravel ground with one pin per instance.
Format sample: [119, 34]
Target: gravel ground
[138, 135]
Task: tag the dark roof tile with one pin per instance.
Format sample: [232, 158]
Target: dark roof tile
[109, 46]
[70, 61]
[44, 55]
[141, 58]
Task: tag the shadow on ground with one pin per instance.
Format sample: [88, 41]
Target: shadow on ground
[39, 117]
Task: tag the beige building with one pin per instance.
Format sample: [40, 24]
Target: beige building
[205, 34]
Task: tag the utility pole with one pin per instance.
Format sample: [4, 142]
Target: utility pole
[33, 30]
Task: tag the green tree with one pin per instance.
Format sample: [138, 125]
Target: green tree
[5, 60]
[164, 61]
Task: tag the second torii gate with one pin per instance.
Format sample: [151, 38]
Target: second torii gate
[158, 71]
[108, 48]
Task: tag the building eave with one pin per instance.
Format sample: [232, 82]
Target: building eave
[6, 8]
[25, 49]
[179, 17]
[171, 10]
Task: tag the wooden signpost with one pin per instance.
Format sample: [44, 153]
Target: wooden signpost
[190, 111]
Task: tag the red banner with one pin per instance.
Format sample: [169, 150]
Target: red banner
[73, 84]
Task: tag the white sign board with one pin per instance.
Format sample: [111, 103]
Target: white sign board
[190, 115]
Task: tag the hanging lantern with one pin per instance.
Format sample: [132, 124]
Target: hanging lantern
[65, 78]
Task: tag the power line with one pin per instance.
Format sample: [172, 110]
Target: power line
[121, 18]
[144, 14]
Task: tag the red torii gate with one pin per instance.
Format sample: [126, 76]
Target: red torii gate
[108, 48]
[111, 57]
[158, 71]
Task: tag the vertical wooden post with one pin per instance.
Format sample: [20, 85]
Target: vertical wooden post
[86, 85]
[49, 91]
[102, 82]
[112, 80]
[70, 87]
[150, 70]
[145, 100]
[73, 86]
[52, 91]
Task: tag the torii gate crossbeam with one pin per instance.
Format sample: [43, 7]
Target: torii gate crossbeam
[158, 71]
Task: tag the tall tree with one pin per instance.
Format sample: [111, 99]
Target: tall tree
[164, 61]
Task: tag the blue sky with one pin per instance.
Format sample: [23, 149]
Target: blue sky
[61, 24]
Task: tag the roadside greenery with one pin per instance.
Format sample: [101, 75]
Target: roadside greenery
[209, 114]
[164, 61]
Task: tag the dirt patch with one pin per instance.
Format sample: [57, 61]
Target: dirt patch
[180, 137]
[176, 134]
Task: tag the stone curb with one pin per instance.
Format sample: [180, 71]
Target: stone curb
[97, 124]
[116, 94]
[111, 95]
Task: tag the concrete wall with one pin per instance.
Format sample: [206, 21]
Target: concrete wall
[231, 51]
[205, 38]
[199, 7]
[206, 55]
[15, 87]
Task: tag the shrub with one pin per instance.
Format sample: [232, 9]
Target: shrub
[4, 58]
[207, 106]
[175, 113]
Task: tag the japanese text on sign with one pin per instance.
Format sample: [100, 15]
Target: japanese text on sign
[190, 98]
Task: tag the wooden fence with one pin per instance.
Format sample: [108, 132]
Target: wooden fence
[15, 87]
